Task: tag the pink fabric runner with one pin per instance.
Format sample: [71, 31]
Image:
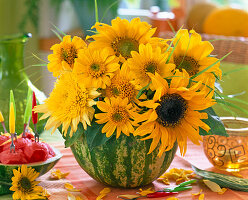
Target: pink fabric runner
[90, 188]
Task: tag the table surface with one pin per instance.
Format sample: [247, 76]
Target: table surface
[90, 188]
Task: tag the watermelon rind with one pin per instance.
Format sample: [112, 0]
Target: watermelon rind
[122, 162]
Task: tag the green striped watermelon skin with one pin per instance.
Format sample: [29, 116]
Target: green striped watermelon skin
[6, 171]
[122, 162]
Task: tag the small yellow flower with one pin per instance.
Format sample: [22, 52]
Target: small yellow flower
[149, 60]
[69, 103]
[24, 184]
[123, 85]
[96, 66]
[57, 174]
[118, 116]
[64, 55]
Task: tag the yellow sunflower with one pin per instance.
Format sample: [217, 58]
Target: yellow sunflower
[118, 115]
[173, 113]
[149, 60]
[122, 36]
[24, 184]
[123, 85]
[96, 67]
[64, 55]
[69, 103]
[192, 54]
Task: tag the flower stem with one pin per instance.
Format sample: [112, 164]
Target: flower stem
[96, 11]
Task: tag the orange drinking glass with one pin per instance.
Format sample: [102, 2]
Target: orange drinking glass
[229, 153]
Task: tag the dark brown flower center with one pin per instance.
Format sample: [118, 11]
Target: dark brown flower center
[25, 184]
[117, 117]
[151, 67]
[172, 110]
[124, 46]
[187, 63]
[69, 54]
[95, 67]
[115, 91]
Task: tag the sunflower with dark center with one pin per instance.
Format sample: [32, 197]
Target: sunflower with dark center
[24, 184]
[149, 60]
[117, 115]
[192, 54]
[96, 67]
[123, 37]
[173, 113]
[64, 55]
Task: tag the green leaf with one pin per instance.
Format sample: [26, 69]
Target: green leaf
[210, 66]
[28, 109]
[142, 90]
[71, 140]
[216, 125]
[232, 98]
[5, 183]
[232, 105]
[64, 34]
[12, 100]
[173, 49]
[96, 11]
[222, 180]
[94, 135]
[55, 32]
[235, 70]
[108, 9]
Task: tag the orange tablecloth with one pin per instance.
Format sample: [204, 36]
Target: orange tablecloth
[91, 188]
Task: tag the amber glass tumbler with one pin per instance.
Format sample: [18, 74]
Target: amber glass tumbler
[229, 153]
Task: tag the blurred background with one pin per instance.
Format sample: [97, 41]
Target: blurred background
[223, 22]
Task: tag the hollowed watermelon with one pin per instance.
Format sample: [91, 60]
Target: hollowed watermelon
[122, 162]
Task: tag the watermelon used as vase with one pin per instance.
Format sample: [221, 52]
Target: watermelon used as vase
[122, 162]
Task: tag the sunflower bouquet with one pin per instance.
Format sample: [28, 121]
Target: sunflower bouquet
[133, 83]
[122, 81]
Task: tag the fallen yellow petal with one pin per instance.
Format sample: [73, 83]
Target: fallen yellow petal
[178, 175]
[237, 174]
[195, 194]
[103, 193]
[71, 188]
[145, 192]
[128, 196]
[172, 198]
[72, 197]
[45, 193]
[57, 174]
[212, 186]
[223, 190]
[201, 197]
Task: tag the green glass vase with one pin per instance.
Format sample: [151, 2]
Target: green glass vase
[13, 77]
